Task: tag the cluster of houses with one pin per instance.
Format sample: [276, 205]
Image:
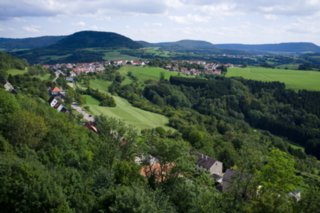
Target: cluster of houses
[202, 67]
[70, 71]
[56, 100]
[93, 67]
[203, 163]
[223, 180]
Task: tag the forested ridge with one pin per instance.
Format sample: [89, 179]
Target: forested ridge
[51, 163]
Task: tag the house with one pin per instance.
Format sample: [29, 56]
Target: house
[61, 108]
[296, 195]
[214, 167]
[155, 170]
[55, 103]
[228, 179]
[8, 87]
[55, 91]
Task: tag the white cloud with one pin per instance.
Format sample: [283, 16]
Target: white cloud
[189, 18]
[217, 21]
[31, 29]
[81, 24]
[271, 17]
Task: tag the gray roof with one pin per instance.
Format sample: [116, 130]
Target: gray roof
[229, 175]
[205, 161]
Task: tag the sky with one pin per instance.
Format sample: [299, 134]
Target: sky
[216, 21]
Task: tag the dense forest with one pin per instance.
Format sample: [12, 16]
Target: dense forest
[51, 163]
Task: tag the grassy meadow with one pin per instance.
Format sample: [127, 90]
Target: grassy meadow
[124, 111]
[16, 72]
[100, 84]
[293, 79]
[131, 115]
[146, 73]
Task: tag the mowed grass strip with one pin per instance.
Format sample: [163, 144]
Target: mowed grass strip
[293, 79]
[131, 115]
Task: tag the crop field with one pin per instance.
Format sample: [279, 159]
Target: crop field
[293, 79]
[131, 115]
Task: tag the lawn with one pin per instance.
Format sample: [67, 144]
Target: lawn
[16, 72]
[146, 73]
[131, 115]
[44, 77]
[100, 84]
[293, 79]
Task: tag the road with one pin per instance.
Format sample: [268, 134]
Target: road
[86, 116]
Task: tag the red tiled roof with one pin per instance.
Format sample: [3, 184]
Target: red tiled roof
[56, 89]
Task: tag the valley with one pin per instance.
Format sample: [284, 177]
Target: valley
[97, 122]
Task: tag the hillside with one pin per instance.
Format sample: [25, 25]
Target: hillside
[10, 44]
[93, 39]
[50, 161]
[293, 47]
[184, 46]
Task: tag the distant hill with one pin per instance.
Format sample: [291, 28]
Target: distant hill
[10, 44]
[195, 46]
[93, 39]
[293, 47]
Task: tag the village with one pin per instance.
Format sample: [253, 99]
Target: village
[187, 67]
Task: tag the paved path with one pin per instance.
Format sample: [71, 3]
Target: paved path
[86, 116]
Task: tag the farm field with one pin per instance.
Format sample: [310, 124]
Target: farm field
[131, 115]
[293, 79]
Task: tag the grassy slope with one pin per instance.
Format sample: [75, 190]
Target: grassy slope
[139, 118]
[16, 72]
[134, 116]
[293, 79]
[100, 84]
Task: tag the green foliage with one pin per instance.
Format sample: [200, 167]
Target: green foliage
[27, 128]
[105, 99]
[278, 174]
[26, 186]
[135, 198]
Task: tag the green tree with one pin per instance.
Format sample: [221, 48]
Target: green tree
[135, 198]
[26, 128]
[275, 181]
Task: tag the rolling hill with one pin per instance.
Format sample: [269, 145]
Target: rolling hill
[293, 47]
[84, 46]
[94, 39]
[196, 46]
[10, 44]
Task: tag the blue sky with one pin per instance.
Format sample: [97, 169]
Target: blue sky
[217, 21]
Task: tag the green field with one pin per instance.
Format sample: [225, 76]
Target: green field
[100, 84]
[45, 77]
[293, 79]
[146, 73]
[16, 72]
[131, 115]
